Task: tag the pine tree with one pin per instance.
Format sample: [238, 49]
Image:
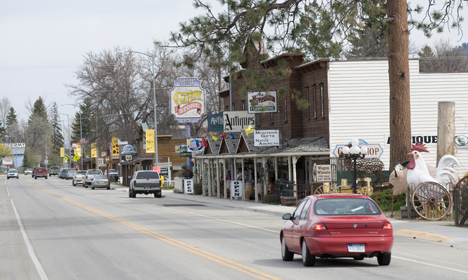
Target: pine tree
[57, 137]
[11, 117]
[87, 120]
[11, 125]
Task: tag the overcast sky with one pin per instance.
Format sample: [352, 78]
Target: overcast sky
[43, 42]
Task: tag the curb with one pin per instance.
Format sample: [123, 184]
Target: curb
[423, 235]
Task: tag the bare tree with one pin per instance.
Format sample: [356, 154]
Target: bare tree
[446, 58]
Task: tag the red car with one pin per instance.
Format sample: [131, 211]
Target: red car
[335, 226]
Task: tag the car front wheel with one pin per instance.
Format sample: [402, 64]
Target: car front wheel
[384, 259]
[285, 253]
[74, 183]
[307, 258]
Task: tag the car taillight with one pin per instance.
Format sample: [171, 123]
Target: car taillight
[387, 226]
[86, 176]
[320, 227]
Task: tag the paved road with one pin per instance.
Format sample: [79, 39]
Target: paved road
[51, 230]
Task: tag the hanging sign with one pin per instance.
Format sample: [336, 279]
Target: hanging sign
[215, 122]
[187, 100]
[236, 121]
[149, 141]
[262, 102]
[62, 152]
[78, 150]
[266, 138]
[236, 188]
[93, 150]
[179, 147]
[115, 146]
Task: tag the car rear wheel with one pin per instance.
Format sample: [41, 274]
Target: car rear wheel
[108, 187]
[384, 259]
[46, 177]
[285, 253]
[35, 177]
[133, 194]
[307, 258]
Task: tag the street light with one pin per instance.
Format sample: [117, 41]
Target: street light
[354, 153]
[154, 105]
[69, 138]
[81, 135]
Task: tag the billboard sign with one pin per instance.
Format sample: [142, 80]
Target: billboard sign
[236, 121]
[262, 102]
[187, 100]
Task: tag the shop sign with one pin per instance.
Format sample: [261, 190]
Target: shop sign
[236, 189]
[322, 173]
[215, 122]
[150, 141]
[101, 162]
[262, 102]
[16, 145]
[187, 100]
[164, 171]
[179, 147]
[188, 185]
[7, 161]
[236, 121]
[184, 152]
[74, 145]
[266, 138]
[373, 150]
[128, 157]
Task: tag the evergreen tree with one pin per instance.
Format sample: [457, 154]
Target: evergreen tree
[57, 137]
[2, 132]
[11, 117]
[11, 125]
[87, 120]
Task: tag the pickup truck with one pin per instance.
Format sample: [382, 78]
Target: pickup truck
[145, 181]
[90, 176]
[40, 172]
[54, 170]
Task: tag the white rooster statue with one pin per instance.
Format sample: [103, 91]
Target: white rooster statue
[418, 172]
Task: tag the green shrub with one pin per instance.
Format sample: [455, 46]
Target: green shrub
[271, 198]
[384, 200]
[197, 189]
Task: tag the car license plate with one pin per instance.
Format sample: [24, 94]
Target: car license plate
[356, 248]
[101, 182]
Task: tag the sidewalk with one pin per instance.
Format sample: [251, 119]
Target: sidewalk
[436, 231]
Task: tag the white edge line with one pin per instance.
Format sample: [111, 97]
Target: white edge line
[434, 265]
[36, 262]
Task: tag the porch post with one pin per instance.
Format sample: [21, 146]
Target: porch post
[202, 176]
[209, 177]
[289, 169]
[243, 181]
[264, 176]
[294, 161]
[224, 179]
[276, 168]
[217, 178]
[255, 180]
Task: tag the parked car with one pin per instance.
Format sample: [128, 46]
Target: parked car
[12, 173]
[63, 173]
[335, 226]
[113, 175]
[33, 171]
[70, 173]
[90, 175]
[145, 181]
[40, 172]
[28, 171]
[54, 170]
[78, 177]
[100, 181]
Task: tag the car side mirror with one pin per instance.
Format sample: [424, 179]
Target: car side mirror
[287, 216]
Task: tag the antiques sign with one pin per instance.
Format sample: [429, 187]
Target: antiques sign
[262, 102]
[236, 121]
[266, 138]
[215, 122]
[187, 100]
[428, 139]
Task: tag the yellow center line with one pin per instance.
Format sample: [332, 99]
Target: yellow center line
[234, 265]
[44, 190]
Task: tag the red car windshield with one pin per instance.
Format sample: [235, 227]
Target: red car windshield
[346, 206]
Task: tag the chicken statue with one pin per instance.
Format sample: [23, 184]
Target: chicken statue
[418, 172]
